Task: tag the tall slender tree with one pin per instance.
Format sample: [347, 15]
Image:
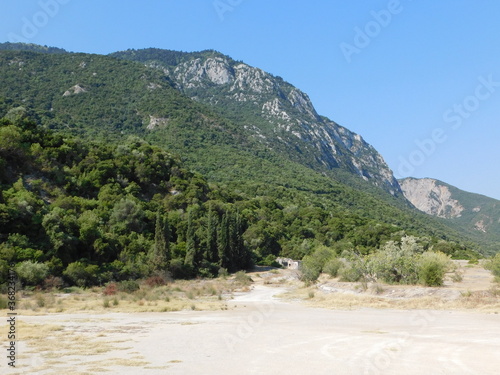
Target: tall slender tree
[223, 242]
[160, 257]
[211, 253]
[191, 250]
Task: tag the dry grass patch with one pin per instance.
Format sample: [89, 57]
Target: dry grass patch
[484, 301]
[61, 349]
[179, 295]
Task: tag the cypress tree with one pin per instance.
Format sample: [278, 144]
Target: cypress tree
[211, 240]
[190, 259]
[223, 242]
[161, 249]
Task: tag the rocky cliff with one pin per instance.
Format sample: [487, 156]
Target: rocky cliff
[469, 212]
[431, 197]
[271, 111]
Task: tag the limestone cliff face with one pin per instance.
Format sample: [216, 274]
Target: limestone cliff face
[473, 213]
[430, 197]
[277, 114]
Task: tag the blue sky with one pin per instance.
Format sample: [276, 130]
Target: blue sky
[419, 80]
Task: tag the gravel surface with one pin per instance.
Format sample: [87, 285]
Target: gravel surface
[260, 334]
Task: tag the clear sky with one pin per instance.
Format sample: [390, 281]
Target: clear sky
[419, 80]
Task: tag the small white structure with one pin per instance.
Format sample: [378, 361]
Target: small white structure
[289, 263]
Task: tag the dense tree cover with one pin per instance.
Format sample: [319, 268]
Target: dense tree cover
[120, 98]
[92, 212]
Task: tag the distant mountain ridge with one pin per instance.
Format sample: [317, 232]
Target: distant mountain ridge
[31, 47]
[474, 213]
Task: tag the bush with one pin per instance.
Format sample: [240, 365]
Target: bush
[310, 268]
[81, 274]
[269, 261]
[312, 265]
[395, 264]
[432, 267]
[494, 266]
[128, 286]
[32, 273]
[110, 289]
[333, 266]
[223, 273]
[242, 278]
[52, 282]
[154, 281]
[351, 273]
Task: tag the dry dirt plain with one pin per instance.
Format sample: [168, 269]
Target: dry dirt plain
[280, 327]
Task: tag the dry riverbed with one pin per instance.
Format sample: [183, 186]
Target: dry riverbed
[274, 325]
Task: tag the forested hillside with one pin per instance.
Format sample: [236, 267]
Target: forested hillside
[108, 172]
[91, 212]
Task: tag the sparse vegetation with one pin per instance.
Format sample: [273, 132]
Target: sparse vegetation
[494, 266]
[432, 267]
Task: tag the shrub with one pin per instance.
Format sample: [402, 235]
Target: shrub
[32, 273]
[494, 266]
[223, 273]
[81, 274]
[40, 300]
[312, 265]
[242, 278]
[350, 273]
[154, 281]
[333, 266]
[432, 267]
[269, 261]
[395, 264]
[110, 289]
[310, 268]
[128, 286]
[53, 282]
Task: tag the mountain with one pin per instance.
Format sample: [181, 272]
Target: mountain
[335, 191]
[274, 113]
[474, 214]
[30, 47]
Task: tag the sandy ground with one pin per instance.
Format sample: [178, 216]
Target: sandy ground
[262, 334]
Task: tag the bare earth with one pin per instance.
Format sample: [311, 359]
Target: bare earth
[263, 334]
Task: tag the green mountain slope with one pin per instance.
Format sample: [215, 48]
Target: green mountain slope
[274, 113]
[101, 97]
[93, 212]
